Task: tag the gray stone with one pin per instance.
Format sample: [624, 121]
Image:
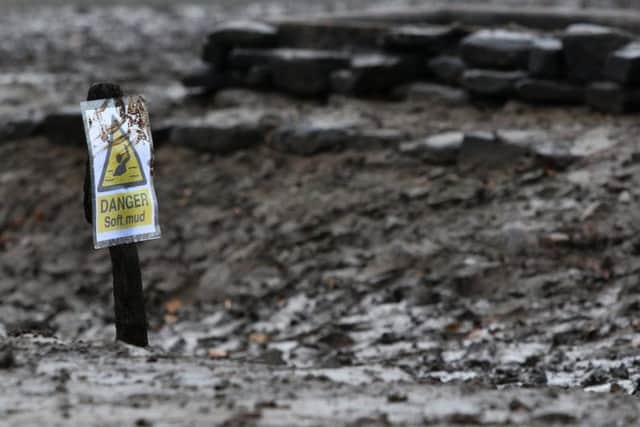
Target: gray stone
[64, 127]
[550, 92]
[448, 69]
[587, 48]
[306, 72]
[342, 82]
[546, 59]
[377, 74]
[243, 34]
[224, 131]
[440, 149]
[504, 149]
[259, 76]
[314, 135]
[302, 72]
[207, 78]
[546, 152]
[610, 97]
[491, 84]
[366, 139]
[426, 40]
[432, 93]
[245, 59]
[21, 125]
[483, 150]
[497, 49]
[623, 66]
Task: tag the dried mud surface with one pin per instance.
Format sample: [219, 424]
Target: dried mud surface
[356, 287]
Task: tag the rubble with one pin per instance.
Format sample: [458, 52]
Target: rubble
[492, 84]
[440, 149]
[549, 92]
[546, 59]
[613, 98]
[587, 48]
[497, 50]
[448, 69]
[315, 134]
[623, 66]
[224, 131]
[424, 40]
[432, 93]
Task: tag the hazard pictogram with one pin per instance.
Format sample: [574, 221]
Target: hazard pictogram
[122, 168]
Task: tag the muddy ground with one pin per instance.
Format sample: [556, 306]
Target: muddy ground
[360, 286]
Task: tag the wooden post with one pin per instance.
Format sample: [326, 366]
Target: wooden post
[131, 319]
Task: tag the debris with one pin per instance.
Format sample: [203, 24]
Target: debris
[623, 66]
[314, 135]
[497, 49]
[441, 149]
[429, 40]
[492, 84]
[549, 92]
[546, 59]
[224, 131]
[448, 69]
[433, 93]
[587, 48]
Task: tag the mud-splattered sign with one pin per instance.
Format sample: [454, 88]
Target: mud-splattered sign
[125, 208]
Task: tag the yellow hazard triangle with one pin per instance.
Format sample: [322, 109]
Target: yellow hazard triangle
[122, 168]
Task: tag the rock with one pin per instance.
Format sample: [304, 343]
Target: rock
[489, 151]
[259, 76]
[432, 93]
[377, 74]
[245, 34]
[241, 34]
[594, 141]
[549, 92]
[492, 84]
[314, 135]
[546, 151]
[623, 66]
[224, 131]
[546, 59]
[207, 78]
[587, 48]
[482, 149]
[448, 69]
[425, 40]
[306, 72]
[440, 149]
[342, 82]
[19, 126]
[609, 97]
[377, 138]
[64, 127]
[302, 72]
[497, 49]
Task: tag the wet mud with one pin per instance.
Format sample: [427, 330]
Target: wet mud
[358, 286]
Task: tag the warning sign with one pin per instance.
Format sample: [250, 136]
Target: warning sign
[121, 154]
[122, 167]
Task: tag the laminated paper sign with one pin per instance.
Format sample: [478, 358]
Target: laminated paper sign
[125, 208]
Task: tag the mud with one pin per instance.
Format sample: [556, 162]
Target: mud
[359, 286]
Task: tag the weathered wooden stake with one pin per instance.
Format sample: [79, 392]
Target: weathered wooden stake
[131, 319]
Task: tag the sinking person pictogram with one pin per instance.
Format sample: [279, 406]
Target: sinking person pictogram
[122, 168]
